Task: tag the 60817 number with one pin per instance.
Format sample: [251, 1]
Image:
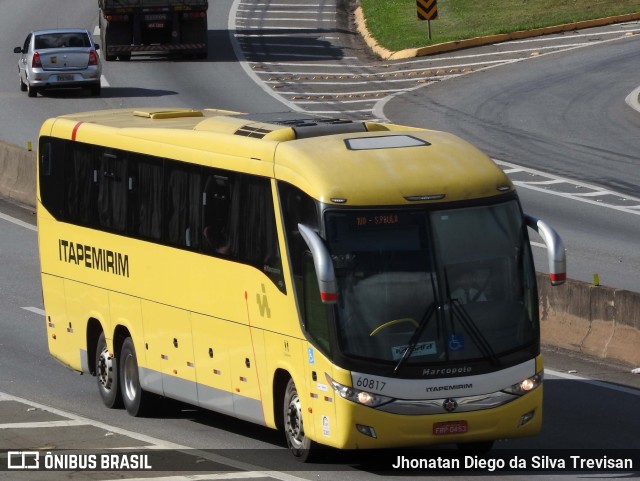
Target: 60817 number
[365, 382]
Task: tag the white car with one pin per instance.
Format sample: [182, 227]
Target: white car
[59, 58]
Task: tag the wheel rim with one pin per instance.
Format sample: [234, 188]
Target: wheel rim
[130, 377]
[105, 369]
[294, 428]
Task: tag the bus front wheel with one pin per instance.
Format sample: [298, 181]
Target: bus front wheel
[107, 375]
[299, 444]
[136, 400]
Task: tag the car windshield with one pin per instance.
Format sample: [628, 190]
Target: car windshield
[419, 286]
[61, 40]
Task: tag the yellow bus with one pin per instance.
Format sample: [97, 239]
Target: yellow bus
[354, 284]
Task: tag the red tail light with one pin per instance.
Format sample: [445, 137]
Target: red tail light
[36, 62]
[93, 58]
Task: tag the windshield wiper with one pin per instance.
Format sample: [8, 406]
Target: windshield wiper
[470, 325]
[474, 332]
[413, 342]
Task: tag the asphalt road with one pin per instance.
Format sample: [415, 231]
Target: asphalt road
[563, 114]
[582, 408]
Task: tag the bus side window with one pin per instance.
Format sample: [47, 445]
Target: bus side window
[81, 185]
[112, 184]
[298, 208]
[182, 207]
[215, 215]
[145, 191]
[52, 160]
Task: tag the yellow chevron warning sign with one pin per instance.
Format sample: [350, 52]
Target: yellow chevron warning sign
[427, 9]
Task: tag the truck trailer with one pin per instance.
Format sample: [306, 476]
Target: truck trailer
[171, 27]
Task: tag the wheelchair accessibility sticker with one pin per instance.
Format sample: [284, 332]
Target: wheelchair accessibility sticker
[456, 342]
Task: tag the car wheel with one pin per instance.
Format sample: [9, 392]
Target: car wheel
[32, 91]
[95, 90]
[23, 86]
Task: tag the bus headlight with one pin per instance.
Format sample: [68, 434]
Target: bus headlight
[357, 396]
[526, 385]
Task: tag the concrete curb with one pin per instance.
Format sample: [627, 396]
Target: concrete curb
[386, 54]
[597, 321]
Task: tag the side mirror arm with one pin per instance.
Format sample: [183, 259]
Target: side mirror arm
[555, 249]
[323, 264]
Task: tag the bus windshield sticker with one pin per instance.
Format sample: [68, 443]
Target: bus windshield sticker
[421, 349]
[456, 342]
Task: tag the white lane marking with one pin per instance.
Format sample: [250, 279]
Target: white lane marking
[35, 310]
[593, 382]
[580, 196]
[546, 182]
[155, 442]
[242, 59]
[296, 30]
[205, 477]
[285, 35]
[382, 73]
[45, 424]
[632, 99]
[313, 6]
[327, 55]
[338, 93]
[15, 221]
[281, 19]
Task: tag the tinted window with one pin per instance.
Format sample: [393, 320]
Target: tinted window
[210, 211]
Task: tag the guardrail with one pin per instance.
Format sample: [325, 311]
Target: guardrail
[594, 320]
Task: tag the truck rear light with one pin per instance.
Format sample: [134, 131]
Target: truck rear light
[194, 15]
[36, 62]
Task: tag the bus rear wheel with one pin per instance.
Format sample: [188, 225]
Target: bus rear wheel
[136, 400]
[300, 445]
[107, 375]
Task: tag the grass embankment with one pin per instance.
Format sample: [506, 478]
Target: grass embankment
[395, 26]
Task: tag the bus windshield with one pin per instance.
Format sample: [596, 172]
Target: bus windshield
[419, 287]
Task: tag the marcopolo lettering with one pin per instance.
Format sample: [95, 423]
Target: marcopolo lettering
[93, 258]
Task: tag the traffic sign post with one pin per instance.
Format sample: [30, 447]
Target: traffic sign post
[427, 10]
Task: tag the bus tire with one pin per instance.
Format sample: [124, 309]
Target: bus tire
[299, 444]
[107, 375]
[136, 400]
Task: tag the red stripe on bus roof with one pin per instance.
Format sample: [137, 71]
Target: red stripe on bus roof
[75, 130]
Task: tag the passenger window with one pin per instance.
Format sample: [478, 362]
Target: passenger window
[112, 192]
[184, 223]
[146, 204]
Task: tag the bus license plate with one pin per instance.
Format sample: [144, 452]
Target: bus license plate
[450, 427]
